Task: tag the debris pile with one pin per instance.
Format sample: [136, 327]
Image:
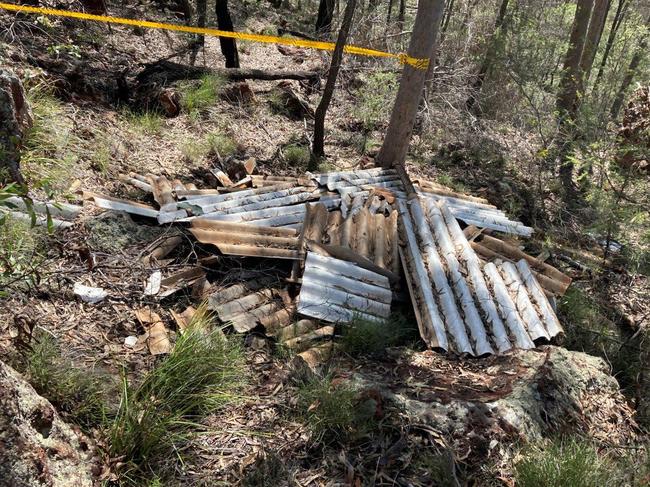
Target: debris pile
[349, 234]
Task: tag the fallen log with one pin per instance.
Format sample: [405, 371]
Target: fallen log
[165, 72]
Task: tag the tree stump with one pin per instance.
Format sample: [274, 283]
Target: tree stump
[15, 120]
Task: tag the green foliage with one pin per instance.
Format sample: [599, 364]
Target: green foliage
[20, 244]
[197, 97]
[203, 374]
[221, 144]
[50, 150]
[297, 156]
[363, 337]
[331, 409]
[434, 468]
[145, 123]
[567, 463]
[374, 99]
[81, 395]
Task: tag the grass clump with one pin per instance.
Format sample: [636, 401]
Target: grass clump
[19, 252]
[364, 337]
[374, 100]
[146, 123]
[564, 463]
[221, 144]
[203, 373]
[81, 396]
[197, 97]
[332, 408]
[50, 148]
[268, 470]
[296, 155]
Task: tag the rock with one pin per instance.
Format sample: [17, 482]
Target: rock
[170, 101]
[289, 103]
[238, 93]
[15, 120]
[36, 447]
[480, 405]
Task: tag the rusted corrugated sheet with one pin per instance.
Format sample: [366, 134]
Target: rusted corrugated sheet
[462, 304]
[247, 240]
[336, 291]
[252, 303]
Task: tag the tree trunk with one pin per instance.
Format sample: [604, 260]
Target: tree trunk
[448, 12]
[318, 148]
[568, 96]
[425, 31]
[390, 11]
[325, 16]
[201, 17]
[618, 19]
[475, 90]
[401, 14]
[595, 32]
[629, 74]
[224, 22]
[15, 120]
[95, 7]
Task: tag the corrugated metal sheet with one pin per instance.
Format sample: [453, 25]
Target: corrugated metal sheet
[247, 240]
[462, 304]
[471, 210]
[336, 291]
[249, 304]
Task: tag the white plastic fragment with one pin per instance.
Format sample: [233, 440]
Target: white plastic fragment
[130, 341]
[88, 294]
[152, 285]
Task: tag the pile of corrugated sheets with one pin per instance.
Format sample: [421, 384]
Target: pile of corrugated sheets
[472, 293]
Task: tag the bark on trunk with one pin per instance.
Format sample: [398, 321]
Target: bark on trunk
[15, 120]
[596, 26]
[224, 22]
[488, 60]
[319, 122]
[629, 75]
[325, 16]
[427, 22]
[568, 97]
[618, 18]
[201, 17]
[95, 7]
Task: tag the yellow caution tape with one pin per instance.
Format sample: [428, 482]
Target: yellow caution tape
[403, 58]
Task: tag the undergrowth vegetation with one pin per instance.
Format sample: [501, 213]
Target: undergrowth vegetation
[332, 408]
[157, 417]
[197, 97]
[364, 337]
[20, 253]
[81, 395]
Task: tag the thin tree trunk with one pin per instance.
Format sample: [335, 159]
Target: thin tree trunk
[325, 16]
[475, 90]
[629, 74]
[318, 148]
[425, 31]
[595, 32]
[390, 11]
[445, 23]
[201, 17]
[568, 96]
[618, 19]
[401, 15]
[224, 22]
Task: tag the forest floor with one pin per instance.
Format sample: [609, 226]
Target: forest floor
[83, 139]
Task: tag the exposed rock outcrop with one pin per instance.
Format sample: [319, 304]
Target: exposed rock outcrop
[36, 447]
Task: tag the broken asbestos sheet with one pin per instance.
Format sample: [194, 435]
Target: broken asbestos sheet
[462, 304]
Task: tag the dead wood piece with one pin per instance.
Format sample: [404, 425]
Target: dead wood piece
[303, 342]
[157, 337]
[315, 356]
[162, 248]
[290, 103]
[183, 319]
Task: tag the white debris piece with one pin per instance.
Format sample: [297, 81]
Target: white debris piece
[92, 295]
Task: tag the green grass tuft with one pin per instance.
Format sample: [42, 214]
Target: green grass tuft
[296, 156]
[20, 252]
[203, 373]
[331, 409]
[221, 144]
[79, 394]
[363, 337]
[146, 123]
[197, 97]
[567, 463]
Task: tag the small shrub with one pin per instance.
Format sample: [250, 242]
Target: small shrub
[79, 394]
[331, 409]
[363, 337]
[201, 375]
[374, 100]
[297, 156]
[19, 252]
[197, 97]
[567, 463]
[195, 151]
